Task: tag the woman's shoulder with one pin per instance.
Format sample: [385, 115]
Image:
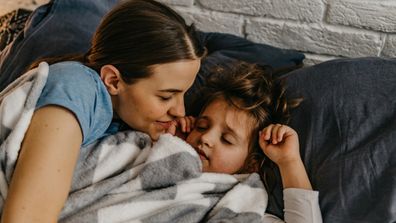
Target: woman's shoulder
[73, 68]
[75, 75]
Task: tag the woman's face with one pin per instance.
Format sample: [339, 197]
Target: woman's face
[221, 137]
[150, 104]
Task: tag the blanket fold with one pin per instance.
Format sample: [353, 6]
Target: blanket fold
[126, 177]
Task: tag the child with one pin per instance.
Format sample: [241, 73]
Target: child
[234, 133]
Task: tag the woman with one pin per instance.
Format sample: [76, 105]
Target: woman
[142, 60]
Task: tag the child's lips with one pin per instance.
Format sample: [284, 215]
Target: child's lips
[201, 154]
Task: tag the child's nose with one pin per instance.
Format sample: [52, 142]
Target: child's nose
[207, 139]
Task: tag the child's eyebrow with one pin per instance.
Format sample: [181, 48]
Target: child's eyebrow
[202, 117]
[228, 128]
[233, 132]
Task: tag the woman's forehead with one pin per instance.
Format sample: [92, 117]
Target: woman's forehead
[174, 75]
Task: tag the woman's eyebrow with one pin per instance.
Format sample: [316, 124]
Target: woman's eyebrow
[171, 90]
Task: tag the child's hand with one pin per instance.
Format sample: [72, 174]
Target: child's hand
[280, 144]
[182, 126]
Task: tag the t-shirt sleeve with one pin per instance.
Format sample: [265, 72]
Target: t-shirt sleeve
[79, 89]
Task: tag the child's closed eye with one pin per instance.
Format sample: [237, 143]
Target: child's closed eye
[224, 140]
[200, 128]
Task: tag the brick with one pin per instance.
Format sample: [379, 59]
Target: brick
[303, 10]
[214, 21]
[337, 41]
[178, 2]
[265, 31]
[375, 15]
[390, 47]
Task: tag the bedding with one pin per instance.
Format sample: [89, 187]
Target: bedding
[346, 123]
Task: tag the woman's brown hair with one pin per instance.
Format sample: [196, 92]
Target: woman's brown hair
[252, 89]
[137, 34]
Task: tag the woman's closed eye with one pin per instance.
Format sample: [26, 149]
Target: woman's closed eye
[165, 98]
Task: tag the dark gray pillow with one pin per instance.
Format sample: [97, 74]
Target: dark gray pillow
[347, 129]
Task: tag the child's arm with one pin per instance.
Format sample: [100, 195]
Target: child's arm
[44, 169]
[280, 144]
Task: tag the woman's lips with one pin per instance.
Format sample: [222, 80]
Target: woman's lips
[164, 125]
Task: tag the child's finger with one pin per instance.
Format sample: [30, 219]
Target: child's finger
[191, 123]
[182, 122]
[266, 133]
[281, 132]
[263, 142]
[274, 133]
[172, 128]
[188, 124]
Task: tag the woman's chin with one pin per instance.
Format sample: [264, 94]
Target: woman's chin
[155, 134]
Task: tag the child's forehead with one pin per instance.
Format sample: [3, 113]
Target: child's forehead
[222, 112]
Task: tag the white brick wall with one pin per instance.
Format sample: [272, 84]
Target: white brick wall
[322, 29]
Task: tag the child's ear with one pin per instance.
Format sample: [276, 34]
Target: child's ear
[111, 78]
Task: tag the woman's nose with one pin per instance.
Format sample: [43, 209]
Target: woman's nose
[178, 110]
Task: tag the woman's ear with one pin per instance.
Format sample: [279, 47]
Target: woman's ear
[111, 78]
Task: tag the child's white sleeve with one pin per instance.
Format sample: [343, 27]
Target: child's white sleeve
[301, 206]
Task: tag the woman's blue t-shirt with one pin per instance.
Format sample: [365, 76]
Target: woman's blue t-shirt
[79, 89]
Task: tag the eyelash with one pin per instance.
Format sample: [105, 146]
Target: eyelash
[164, 98]
[226, 141]
[200, 129]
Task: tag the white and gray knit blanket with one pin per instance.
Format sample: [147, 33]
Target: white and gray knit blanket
[126, 178]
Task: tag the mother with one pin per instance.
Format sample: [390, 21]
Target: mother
[142, 60]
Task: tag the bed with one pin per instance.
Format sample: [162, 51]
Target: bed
[346, 122]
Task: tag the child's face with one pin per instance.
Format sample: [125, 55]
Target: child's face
[221, 137]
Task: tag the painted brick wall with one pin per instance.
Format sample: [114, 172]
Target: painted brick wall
[322, 29]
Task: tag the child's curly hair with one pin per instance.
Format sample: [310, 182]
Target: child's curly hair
[252, 89]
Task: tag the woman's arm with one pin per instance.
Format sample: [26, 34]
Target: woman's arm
[44, 170]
